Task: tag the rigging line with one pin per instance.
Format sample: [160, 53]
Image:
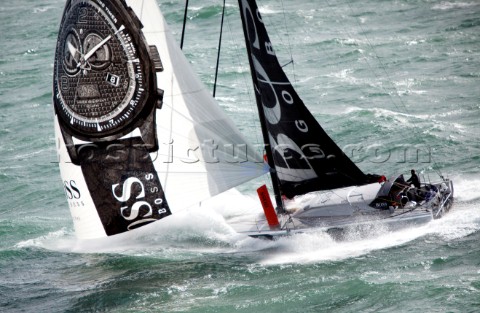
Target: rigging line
[261, 112]
[280, 39]
[219, 49]
[288, 43]
[170, 134]
[289, 62]
[242, 79]
[246, 80]
[184, 24]
[141, 10]
[366, 60]
[415, 129]
[382, 66]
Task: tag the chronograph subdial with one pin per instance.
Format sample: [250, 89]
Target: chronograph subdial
[101, 57]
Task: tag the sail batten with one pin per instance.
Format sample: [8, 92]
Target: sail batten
[305, 158]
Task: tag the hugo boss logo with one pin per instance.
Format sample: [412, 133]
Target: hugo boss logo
[139, 199]
[73, 194]
[71, 190]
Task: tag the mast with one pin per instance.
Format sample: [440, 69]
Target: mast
[303, 156]
[184, 24]
[219, 48]
[261, 114]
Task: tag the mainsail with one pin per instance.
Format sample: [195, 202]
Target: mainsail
[303, 157]
[126, 161]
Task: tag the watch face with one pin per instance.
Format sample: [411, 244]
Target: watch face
[100, 76]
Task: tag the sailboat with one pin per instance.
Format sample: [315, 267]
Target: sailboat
[315, 184]
[140, 138]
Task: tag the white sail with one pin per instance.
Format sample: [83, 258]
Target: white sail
[201, 152]
[191, 121]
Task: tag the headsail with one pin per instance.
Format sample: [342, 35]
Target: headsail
[304, 157]
[115, 62]
[202, 153]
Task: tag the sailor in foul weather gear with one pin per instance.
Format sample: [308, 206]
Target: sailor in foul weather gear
[413, 180]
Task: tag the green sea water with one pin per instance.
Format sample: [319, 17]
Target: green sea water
[395, 83]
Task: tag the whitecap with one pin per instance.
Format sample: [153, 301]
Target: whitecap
[446, 5]
[267, 10]
[41, 10]
[467, 189]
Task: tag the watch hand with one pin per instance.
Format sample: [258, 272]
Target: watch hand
[94, 49]
[98, 46]
[72, 49]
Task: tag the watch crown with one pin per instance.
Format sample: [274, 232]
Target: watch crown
[155, 57]
[159, 98]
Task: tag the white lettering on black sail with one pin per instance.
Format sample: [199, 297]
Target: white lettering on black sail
[305, 158]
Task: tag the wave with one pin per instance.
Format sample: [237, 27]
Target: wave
[207, 229]
[467, 189]
[441, 125]
[265, 9]
[462, 221]
[447, 5]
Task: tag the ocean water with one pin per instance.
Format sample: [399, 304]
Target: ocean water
[395, 83]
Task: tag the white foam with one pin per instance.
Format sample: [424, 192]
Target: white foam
[197, 230]
[446, 5]
[42, 9]
[319, 247]
[57, 240]
[267, 10]
[466, 189]
[205, 229]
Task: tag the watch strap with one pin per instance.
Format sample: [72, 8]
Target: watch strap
[123, 183]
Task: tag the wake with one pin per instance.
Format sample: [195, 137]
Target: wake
[206, 230]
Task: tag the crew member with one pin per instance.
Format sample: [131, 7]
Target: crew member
[413, 180]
